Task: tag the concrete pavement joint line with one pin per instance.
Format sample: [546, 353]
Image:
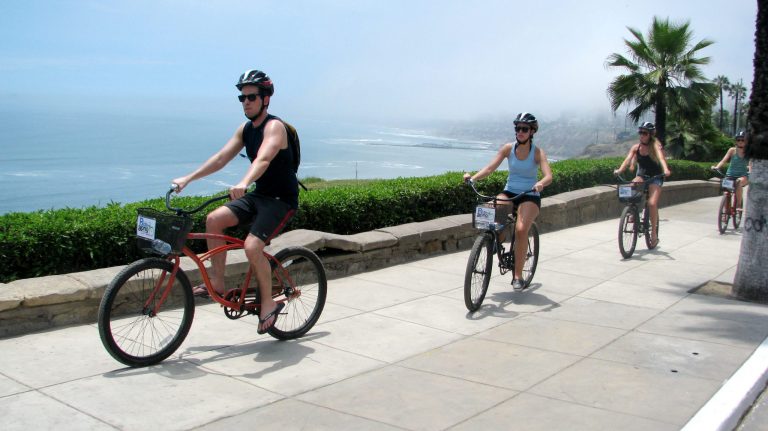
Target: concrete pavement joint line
[724, 410]
[73, 407]
[342, 412]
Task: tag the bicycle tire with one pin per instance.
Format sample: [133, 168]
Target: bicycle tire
[136, 334]
[304, 297]
[531, 255]
[628, 231]
[478, 273]
[724, 213]
[736, 219]
[647, 228]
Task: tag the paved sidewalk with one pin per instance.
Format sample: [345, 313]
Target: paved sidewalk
[597, 343]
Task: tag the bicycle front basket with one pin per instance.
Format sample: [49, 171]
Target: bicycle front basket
[727, 184]
[170, 228]
[487, 213]
[629, 193]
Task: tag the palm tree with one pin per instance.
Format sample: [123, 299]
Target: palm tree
[657, 66]
[692, 141]
[723, 84]
[737, 91]
[751, 280]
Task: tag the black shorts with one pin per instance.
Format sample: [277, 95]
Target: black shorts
[527, 198]
[266, 215]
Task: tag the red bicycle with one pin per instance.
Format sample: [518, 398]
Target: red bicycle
[147, 310]
[728, 209]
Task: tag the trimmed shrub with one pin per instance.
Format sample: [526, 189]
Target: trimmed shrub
[69, 240]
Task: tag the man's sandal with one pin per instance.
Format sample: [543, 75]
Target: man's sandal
[274, 313]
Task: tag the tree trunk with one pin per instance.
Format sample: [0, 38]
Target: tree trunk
[751, 280]
[661, 114]
[721, 107]
[735, 111]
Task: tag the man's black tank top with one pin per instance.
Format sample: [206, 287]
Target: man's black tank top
[278, 181]
[646, 165]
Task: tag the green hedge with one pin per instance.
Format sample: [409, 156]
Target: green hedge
[70, 240]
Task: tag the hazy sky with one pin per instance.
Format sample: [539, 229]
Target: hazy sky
[347, 59]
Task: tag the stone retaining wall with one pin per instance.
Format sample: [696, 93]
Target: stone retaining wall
[44, 302]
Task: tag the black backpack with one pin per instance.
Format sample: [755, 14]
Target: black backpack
[295, 145]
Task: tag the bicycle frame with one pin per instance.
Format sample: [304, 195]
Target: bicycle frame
[230, 243]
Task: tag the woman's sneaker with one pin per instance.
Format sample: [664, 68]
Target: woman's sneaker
[518, 285]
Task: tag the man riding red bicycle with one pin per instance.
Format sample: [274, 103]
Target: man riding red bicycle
[267, 208]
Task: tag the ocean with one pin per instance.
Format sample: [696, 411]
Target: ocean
[80, 156]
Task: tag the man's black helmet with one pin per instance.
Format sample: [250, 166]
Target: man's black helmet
[740, 135]
[257, 78]
[647, 126]
[527, 118]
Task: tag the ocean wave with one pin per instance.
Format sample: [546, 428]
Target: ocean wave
[418, 136]
[28, 174]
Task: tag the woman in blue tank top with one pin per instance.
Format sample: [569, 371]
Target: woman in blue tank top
[524, 161]
[739, 166]
[649, 157]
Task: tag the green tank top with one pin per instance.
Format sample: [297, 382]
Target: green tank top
[738, 165]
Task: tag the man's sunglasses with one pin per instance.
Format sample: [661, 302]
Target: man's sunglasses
[522, 129]
[250, 97]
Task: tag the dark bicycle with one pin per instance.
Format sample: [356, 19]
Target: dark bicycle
[633, 223]
[492, 220]
[728, 210]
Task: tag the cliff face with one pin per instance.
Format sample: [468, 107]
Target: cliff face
[616, 149]
[559, 140]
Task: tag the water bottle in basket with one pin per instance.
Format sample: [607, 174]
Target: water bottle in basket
[160, 246]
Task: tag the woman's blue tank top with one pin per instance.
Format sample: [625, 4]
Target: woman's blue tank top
[523, 174]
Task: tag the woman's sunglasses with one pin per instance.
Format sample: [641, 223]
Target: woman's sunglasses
[522, 129]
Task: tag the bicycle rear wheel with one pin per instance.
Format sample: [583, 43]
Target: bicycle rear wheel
[478, 273]
[531, 255]
[143, 318]
[628, 231]
[303, 287]
[724, 213]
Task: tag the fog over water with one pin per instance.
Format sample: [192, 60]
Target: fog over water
[106, 101]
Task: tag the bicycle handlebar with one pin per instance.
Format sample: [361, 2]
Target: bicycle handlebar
[719, 172]
[181, 211]
[645, 178]
[495, 198]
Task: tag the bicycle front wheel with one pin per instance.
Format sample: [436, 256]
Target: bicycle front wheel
[724, 213]
[628, 231]
[146, 313]
[478, 273]
[647, 227]
[300, 281]
[737, 213]
[531, 255]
